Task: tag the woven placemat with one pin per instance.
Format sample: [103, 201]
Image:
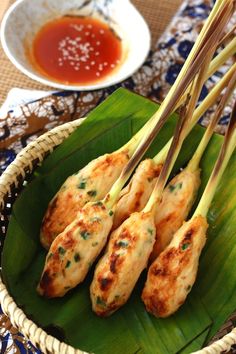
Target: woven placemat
[157, 13]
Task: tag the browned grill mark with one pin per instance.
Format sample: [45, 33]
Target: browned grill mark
[105, 283]
[158, 271]
[171, 253]
[156, 306]
[138, 196]
[157, 171]
[113, 263]
[188, 235]
[46, 283]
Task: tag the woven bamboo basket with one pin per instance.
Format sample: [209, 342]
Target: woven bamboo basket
[11, 183]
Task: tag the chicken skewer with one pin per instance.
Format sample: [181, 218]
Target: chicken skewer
[136, 194]
[172, 275]
[180, 193]
[84, 186]
[87, 185]
[76, 248]
[130, 245]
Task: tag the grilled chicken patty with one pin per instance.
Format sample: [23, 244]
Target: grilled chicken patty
[136, 194]
[126, 257]
[89, 184]
[172, 275]
[177, 200]
[73, 251]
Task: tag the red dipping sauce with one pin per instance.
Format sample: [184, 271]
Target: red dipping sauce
[76, 50]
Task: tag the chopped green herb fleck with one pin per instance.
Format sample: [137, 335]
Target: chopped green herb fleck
[67, 287]
[173, 187]
[77, 257]
[123, 244]
[99, 203]
[90, 264]
[150, 179]
[185, 246]
[111, 212]
[82, 185]
[189, 287]
[150, 231]
[100, 302]
[84, 234]
[68, 264]
[61, 250]
[117, 297]
[94, 244]
[92, 193]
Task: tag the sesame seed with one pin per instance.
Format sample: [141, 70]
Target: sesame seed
[87, 67]
[97, 53]
[77, 27]
[102, 31]
[105, 63]
[98, 42]
[92, 62]
[97, 74]
[112, 65]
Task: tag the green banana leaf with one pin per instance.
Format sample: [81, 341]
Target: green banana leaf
[131, 329]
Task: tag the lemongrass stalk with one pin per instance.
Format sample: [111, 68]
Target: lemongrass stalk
[178, 139]
[225, 9]
[182, 82]
[226, 151]
[222, 57]
[217, 9]
[194, 162]
[199, 111]
[228, 35]
[215, 64]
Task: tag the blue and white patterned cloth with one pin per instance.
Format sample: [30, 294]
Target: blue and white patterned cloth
[24, 123]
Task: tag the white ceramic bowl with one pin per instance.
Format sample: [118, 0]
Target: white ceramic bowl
[25, 17]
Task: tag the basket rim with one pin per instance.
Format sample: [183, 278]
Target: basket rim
[37, 150]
